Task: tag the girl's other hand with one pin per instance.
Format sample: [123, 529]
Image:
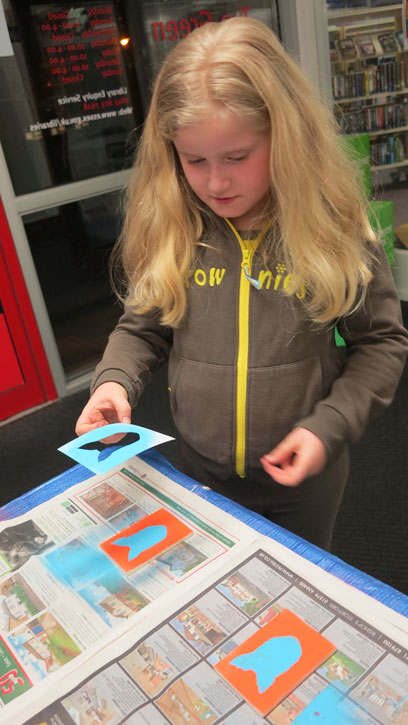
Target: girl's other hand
[108, 404]
[299, 455]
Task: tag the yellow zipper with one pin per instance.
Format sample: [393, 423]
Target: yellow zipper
[247, 250]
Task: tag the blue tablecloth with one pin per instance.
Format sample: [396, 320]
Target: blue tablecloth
[367, 584]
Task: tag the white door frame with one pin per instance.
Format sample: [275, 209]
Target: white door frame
[15, 207]
[304, 29]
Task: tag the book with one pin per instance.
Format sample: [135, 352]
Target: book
[340, 4]
[380, 3]
[388, 42]
[334, 54]
[347, 48]
[366, 45]
[400, 38]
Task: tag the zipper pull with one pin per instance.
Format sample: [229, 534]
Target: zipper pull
[255, 283]
[245, 257]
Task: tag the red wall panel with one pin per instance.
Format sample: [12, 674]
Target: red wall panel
[26, 380]
[10, 371]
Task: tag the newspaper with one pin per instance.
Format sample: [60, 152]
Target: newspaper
[82, 643]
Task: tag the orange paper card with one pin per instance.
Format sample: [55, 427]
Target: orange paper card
[275, 660]
[146, 539]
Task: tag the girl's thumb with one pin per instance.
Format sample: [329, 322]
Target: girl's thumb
[124, 413]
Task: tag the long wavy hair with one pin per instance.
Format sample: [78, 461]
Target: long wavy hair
[316, 203]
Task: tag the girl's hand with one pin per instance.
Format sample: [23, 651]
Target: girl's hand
[299, 455]
[108, 404]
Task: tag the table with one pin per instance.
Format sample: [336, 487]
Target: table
[364, 582]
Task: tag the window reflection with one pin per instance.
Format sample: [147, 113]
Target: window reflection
[70, 98]
[70, 245]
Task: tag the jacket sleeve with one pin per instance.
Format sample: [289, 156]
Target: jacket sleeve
[376, 348]
[138, 345]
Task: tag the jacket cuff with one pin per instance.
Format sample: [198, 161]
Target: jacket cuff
[331, 427]
[132, 387]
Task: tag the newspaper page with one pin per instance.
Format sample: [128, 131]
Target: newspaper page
[163, 672]
[62, 598]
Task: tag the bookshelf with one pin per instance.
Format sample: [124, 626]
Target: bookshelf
[369, 74]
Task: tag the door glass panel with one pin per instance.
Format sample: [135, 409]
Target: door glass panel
[157, 25]
[70, 245]
[69, 95]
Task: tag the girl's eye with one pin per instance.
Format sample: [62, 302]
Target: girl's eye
[194, 162]
[238, 158]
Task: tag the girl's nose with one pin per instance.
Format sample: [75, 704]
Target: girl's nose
[218, 181]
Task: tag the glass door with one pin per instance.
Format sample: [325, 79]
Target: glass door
[71, 114]
[74, 90]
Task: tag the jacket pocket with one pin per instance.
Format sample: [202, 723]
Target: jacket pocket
[202, 405]
[278, 397]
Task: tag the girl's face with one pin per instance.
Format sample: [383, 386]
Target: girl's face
[226, 163]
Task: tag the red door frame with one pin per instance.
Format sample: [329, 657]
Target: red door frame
[38, 385]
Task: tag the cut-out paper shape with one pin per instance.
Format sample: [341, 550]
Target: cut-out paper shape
[275, 660]
[89, 451]
[142, 540]
[331, 707]
[270, 660]
[145, 540]
[104, 450]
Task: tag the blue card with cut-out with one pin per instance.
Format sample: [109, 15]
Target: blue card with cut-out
[89, 451]
[330, 707]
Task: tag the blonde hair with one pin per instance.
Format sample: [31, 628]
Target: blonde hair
[315, 201]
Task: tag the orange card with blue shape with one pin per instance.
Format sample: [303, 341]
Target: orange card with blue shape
[143, 541]
[275, 660]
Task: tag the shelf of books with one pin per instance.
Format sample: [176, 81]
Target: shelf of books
[369, 70]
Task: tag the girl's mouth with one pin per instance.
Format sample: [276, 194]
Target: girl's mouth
[224, 199]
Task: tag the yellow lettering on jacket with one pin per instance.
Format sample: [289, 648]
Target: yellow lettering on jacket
[216, 275]
[277, 281]
[200, 277]
[265, 275]
[282, 279]
[265, 278]
[288, 285]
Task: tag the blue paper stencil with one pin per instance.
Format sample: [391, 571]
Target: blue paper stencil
[99, 457]
[270, 659]
[142, 540]
[330, 707]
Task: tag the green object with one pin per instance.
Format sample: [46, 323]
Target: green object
[380, 213]
[357, 148]
[381, 217]
[339, 340]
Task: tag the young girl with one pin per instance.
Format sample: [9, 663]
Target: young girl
[245, 242]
